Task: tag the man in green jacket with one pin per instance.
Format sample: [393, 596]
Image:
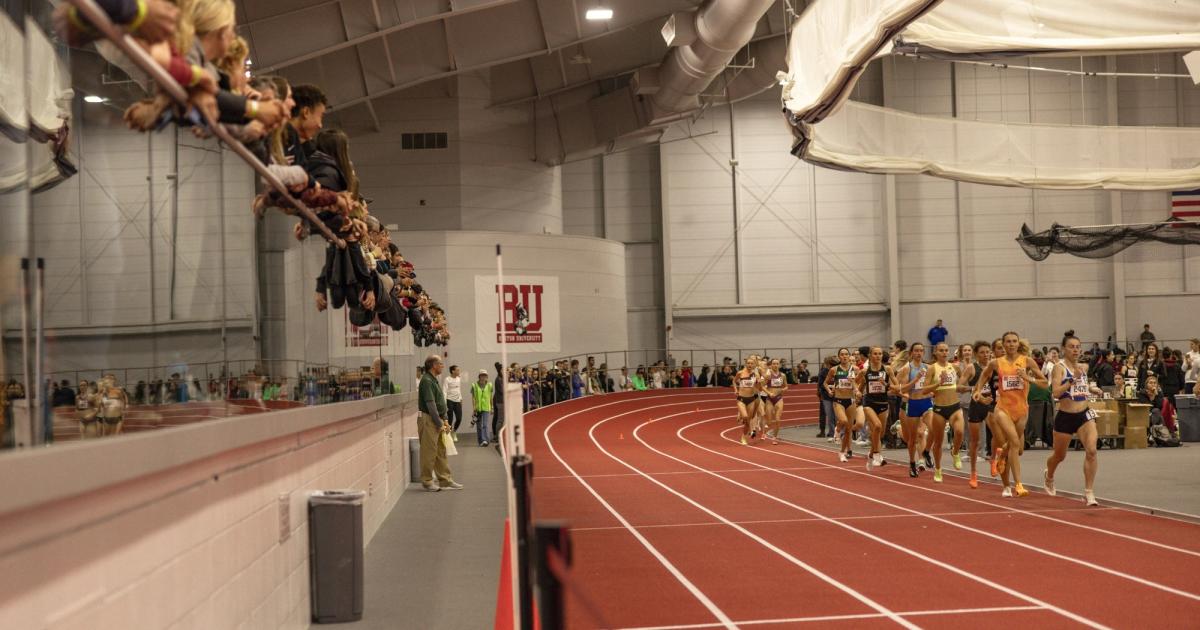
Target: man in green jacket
[431, 424]
[481, 396]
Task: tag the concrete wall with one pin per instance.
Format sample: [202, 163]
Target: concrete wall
[221, 542]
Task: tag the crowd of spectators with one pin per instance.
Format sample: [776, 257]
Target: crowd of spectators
[195, 42]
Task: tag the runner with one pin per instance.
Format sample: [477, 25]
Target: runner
[776, 385]
[942, 382]
[875, 381]
[1012, 407]
[839, 382]
[977, 411]
[1071, 389]
[745, 387]
[920, 404]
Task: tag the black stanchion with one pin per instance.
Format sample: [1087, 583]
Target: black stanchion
[553, 543]
[522, 474]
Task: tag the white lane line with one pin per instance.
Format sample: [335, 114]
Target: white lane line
[673, 472]
[799, 520]
[982, 502]
[975, 530]
[912, 613]
[880, 608]
[923, 557]
[696, 592]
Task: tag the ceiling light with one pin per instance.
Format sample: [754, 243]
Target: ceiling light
[599, 13]
[94, 99]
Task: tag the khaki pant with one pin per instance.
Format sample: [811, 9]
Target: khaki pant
[433, 451]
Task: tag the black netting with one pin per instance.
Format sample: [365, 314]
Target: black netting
[1103, 241]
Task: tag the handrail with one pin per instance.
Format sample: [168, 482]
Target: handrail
[99, 19]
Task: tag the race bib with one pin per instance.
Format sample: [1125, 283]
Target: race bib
[1091, 414]
[747, 383]
[844, 383]
[876, 387]
[777, 382]
[1080, 388]
[1009, 383]
[949, 377]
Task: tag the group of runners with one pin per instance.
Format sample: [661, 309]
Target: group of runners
[986, 384]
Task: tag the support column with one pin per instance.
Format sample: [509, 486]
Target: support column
[664, 177]
[1116, 214]
[891, 236]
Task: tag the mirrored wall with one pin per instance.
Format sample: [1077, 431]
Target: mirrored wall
[138, 291]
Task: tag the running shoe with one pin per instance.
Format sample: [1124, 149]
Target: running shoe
[743, 439]
[998, 462]
[1006, 492]
[861, 442]
[820, 434]
[1089, 498]
[830, 439]
[455, 436]
[921, 464]
[754, 434]
[974, 482]
[882, 461]
[1021, 491]
[849, 454]
[957, 461]
[842, 457]
[928, 459]
[1048, 483]
[937, 475]
[870, 463]
[912, 469]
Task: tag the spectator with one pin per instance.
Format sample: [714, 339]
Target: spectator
[938, 333]
[498, 401]
[576, 380]
[1147, 337]
[725, 376]
[1171, 381]
[431, 423]
[1050, 362]
[803, 375]
[703, 379]
[826, 420]
[624, 383]
[1151, 364]
[452, 389]
[1191, 366]
[63, 395]
[686, 378]
[1153, 395]
[482, 394]
[1102, 369]
[639, 378]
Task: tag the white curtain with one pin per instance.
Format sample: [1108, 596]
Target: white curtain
[874, 139]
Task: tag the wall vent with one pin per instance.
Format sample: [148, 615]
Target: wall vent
[421, 141]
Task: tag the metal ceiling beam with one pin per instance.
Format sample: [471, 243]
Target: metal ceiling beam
[384, 33]
[362, 69]
[490, 64]
[387, 48]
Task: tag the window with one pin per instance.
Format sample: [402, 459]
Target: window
[420, 141]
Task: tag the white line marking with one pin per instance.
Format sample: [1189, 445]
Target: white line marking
[749, 534]
[700, 596]
[913, 613]
[924, 558]
[982, 502]
[673, 472]
[1052, 554]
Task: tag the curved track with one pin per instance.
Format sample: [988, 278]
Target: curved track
[677, 525]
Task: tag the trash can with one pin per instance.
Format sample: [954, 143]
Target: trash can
[414, 460]
[335, 555]
[1188, 418]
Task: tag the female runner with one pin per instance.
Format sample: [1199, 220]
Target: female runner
[760, 418]
[745, 387]
[875, 381]
[775, 384]
[1012, 406]
[977, 411]
[920, 404]
[839, 382]
[1072, 389]
[942, 382]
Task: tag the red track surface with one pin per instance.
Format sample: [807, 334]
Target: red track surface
[675, 524]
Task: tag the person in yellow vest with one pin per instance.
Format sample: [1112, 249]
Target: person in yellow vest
[481, 396]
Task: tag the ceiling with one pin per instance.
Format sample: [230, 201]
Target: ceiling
[360, 50]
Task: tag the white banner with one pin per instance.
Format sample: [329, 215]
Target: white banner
[530, 306]
[348, 340]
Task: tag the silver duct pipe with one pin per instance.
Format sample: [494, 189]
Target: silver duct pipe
[722, 27]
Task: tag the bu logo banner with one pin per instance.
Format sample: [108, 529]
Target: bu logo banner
[524, 312]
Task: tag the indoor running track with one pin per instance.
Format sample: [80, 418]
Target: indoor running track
[676, 525]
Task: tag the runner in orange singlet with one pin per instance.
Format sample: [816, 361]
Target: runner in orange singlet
[1012, 406]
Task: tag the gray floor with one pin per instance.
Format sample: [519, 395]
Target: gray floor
[1164, 479]
[434, 562]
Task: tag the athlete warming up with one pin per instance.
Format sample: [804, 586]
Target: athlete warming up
[1012, 407]
[942, 382]
[839, 382]
[1071, 389]
[745, 387]
[875, 381]
[775, 385]
[920, 404]
[977, 411]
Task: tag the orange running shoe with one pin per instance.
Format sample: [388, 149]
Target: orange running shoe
[974, 482]
[998, 461]
[1021, 491]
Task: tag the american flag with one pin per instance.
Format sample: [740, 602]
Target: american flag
[1185, 204]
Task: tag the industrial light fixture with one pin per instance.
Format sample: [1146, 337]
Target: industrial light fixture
[94, 99]
[599, 12]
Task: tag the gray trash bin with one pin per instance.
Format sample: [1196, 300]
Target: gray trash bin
[414, 460]
[1188, 418]
[335, 555]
